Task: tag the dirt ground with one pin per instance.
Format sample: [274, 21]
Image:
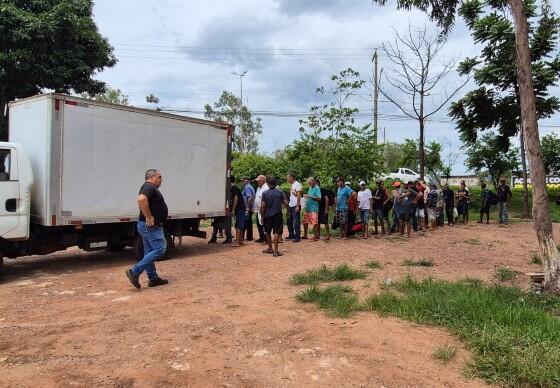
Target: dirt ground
[228, 318]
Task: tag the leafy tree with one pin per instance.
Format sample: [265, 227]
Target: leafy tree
[331, 143]
[112, 96]
[251, 165]
[443, 12]
[49, 45]
[487, 154]
[227, 109]
[551, 153]
[496, 101]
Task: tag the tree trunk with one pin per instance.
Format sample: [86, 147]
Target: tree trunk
[421, 153]
[525, 213]
[541, 213]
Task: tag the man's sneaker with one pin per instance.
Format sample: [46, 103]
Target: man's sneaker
[260, 240]
[227, 241]
[212, 241]
[157, 282]
[133, 278]
[296, 240]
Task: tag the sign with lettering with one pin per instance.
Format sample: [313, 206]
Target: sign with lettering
[550, 180]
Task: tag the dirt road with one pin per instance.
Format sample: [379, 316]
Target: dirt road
[228, 318]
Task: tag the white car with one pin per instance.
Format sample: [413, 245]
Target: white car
[402, 174]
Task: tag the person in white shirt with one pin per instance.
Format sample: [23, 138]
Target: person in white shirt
[364, 204]
[294, 220]
[262, 186]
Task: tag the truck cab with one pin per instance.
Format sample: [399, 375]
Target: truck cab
[16, 181]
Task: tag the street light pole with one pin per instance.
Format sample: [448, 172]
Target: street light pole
[241, 92]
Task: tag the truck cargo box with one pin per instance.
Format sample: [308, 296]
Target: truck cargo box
[89, 158]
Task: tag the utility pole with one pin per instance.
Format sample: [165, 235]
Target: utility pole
[241, 92]
[375, 96]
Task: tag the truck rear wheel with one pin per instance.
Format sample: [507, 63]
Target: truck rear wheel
[138, 246]
[1, 265]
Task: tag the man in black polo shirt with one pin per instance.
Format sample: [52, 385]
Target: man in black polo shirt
[271, 213]
[153, 212]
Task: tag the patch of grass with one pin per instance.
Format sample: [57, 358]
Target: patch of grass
[505, 274]
[418, 263]
[514, 340]
[473, 241]
[536, 259]
[374, 264]
[445, 353]
[338, 300]
[324, 274]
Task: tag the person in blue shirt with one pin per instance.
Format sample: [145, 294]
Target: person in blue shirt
[313, 198]
[249, 199]
[342, 196]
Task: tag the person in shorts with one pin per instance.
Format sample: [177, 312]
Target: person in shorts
[396, 194]
[449, 198]
[311, 218]
[364, 204]
[408, 198]
[484, 205]
[271, 212]
[431, 205]
[343, 194]
[463, 199]
[420, 216]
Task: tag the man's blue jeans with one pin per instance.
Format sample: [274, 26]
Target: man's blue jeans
[503, 212]
[294, 228]
[154, 248]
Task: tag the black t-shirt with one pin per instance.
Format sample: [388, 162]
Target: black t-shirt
[503, 193]
[273, 200]
[235, 192]
[157, 204]
[382, 194]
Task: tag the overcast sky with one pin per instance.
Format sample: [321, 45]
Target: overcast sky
[185, 52]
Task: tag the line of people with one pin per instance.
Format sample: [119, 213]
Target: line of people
[410, 206]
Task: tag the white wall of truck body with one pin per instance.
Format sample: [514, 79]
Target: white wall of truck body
[89, 159]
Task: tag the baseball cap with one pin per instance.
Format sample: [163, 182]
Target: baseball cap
[397, 184]
[362, 183]
[347, 183]
[260, 177]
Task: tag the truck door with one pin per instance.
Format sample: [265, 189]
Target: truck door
[9, 191]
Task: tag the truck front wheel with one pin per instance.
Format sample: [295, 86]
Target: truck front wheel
[138, 246]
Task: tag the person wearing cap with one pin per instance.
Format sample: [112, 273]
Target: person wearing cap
[343, 195]
[463, 200]
[431, 204]
[365, 206]
[249, 199]
[408, 198]
[262, 186]
[271, 213]
[380, 199]
[396, 194]
[313, 197]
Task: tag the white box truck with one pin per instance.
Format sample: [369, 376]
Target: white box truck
[71, 172]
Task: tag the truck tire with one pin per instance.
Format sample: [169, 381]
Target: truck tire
[138, 246]
[1, 265]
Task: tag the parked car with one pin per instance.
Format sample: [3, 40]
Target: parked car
[402, 174]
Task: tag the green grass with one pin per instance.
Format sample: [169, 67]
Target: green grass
[514, 338]
[473, 241]
[338, 300]
[418, 263]
[374, 264]
[505, 274]
[324, 274]
[536, 258]
[445, 353]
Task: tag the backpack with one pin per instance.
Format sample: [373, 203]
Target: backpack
[331, 196]
[492, 198]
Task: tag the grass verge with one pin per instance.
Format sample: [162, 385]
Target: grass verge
[505, 274]
[324, 274]
[418, 263]
[338, 300]
[513, 336]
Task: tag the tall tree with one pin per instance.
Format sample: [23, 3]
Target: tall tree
[110, 95]
[496, 101]
[443, 12]
[49, 45]
[227, 109]
[486, 154]
[551, 153]
[417, 77]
